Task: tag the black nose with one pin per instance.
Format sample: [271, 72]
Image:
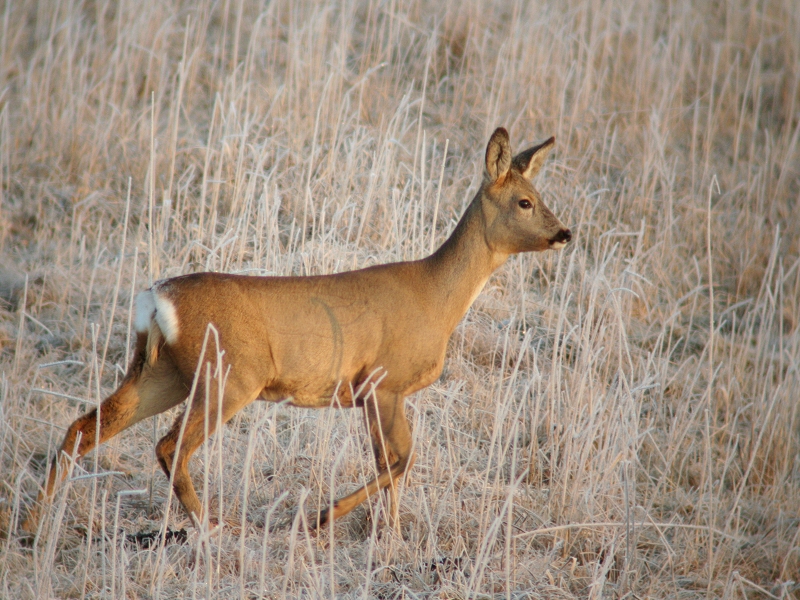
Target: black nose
[565, 235]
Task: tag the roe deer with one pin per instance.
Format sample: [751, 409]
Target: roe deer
[362, 338]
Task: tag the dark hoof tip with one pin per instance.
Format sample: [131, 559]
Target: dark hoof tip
[322, 519]
[153, 539]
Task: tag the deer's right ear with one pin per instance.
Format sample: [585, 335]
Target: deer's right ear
[498, 155]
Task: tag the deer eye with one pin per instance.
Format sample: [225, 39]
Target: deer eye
[526, 204]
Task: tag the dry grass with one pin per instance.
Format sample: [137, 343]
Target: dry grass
[618, 419]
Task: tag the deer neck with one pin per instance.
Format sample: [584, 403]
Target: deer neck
[461, 266]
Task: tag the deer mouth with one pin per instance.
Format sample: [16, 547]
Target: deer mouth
[561, 239]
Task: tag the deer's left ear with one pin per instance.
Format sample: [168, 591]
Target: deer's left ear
[528, 162]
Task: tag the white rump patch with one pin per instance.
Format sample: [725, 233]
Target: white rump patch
[145, 307]
[166, 317]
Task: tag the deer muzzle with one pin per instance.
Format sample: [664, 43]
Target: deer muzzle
[561, 239]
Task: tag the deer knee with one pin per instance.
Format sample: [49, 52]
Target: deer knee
[408, 464]
[384, 457]
[400, 445]
[165, 453]
[404, 462]
[80, 437]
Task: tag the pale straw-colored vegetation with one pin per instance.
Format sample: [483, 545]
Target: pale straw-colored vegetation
[618, 419]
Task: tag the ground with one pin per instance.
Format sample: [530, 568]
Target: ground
[617, 419]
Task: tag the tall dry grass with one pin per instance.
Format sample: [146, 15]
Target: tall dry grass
[616, 420]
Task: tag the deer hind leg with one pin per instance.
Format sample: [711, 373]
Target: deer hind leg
[142, 393]
[202, 419]
[82, 436]
[391, 443]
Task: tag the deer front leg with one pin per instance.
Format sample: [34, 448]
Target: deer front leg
[392, 445]
[381, 426]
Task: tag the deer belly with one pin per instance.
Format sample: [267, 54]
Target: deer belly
[338, 396]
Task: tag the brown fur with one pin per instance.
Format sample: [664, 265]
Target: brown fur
[371, 337]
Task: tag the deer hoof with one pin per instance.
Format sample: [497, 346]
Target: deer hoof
[322, 519]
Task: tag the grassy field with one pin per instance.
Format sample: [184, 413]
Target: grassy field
[618, 419]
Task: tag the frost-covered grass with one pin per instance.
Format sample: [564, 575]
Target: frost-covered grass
[617, 419]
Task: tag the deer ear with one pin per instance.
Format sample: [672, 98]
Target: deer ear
[498, 155]
[528, 162]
